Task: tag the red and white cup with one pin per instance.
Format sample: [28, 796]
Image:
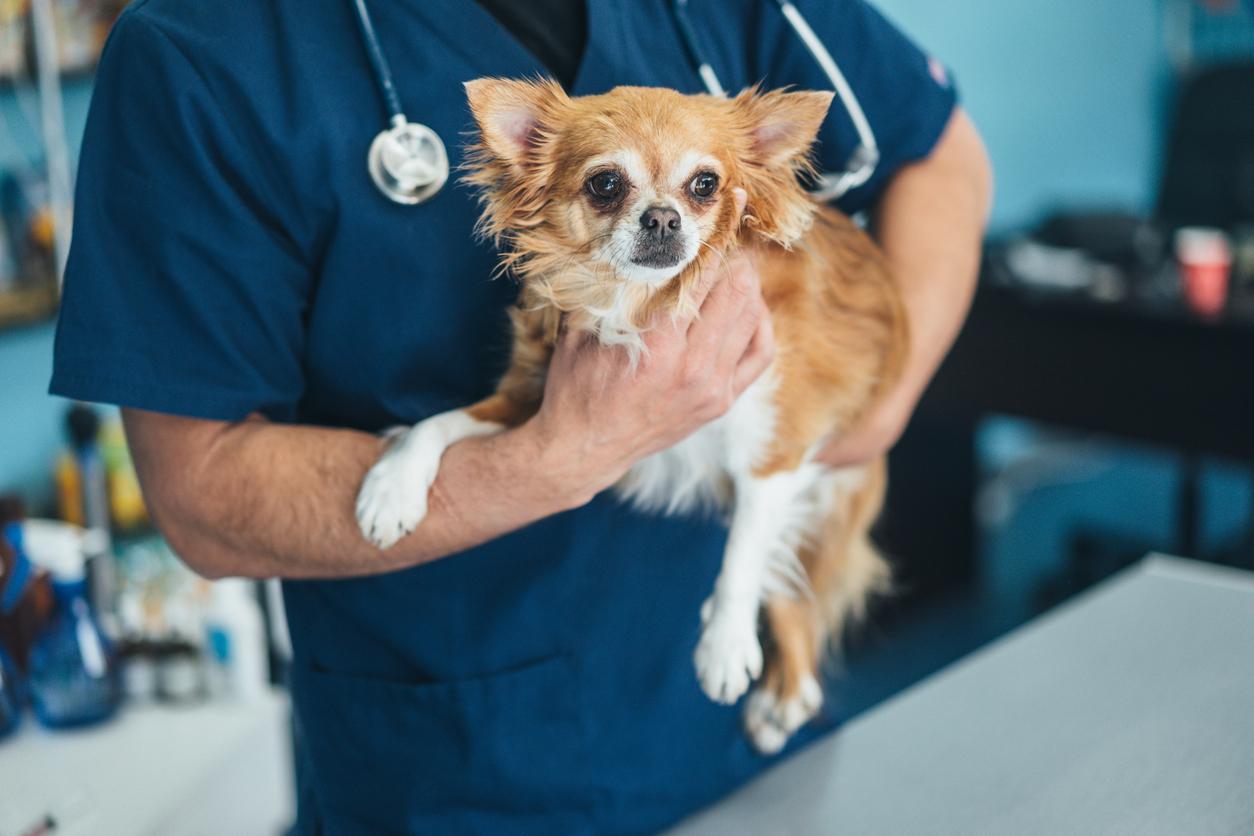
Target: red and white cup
[1205, 260]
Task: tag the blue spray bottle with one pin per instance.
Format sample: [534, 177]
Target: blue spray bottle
[73, 678]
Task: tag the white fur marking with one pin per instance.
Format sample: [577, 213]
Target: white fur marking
[628, 160]
[770, 721]
[688, 165]
[393, 496]
[697, 472]
[768, 514]
[616, 250]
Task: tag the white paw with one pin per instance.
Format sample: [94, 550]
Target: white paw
[393, 497]
[770, 722]
[729, 656]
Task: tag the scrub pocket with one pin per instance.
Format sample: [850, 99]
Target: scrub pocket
[498, 754]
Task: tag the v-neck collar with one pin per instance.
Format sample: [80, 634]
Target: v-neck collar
[500, 53]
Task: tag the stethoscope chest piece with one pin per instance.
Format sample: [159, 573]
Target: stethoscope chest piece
[408, 162]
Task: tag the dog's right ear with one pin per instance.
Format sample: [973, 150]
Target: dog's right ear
[512, 114]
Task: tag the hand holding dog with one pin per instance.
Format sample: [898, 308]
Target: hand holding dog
[603, 415]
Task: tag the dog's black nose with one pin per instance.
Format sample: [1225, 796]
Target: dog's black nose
[659, 222]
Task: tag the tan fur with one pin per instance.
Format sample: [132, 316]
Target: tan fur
[528, 195]
[839, 324]
[840, 333]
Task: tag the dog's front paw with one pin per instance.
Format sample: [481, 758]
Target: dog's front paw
[393, 497]
[771, 719]
[729, 655]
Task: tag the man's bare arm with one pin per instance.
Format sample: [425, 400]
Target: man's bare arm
[258, 499]
[930, 223]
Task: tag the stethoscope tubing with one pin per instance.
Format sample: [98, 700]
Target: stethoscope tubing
[862, 162]
[379, 64]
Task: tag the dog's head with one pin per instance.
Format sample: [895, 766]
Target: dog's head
[632, 189]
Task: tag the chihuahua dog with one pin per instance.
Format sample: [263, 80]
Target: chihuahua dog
[607, 209]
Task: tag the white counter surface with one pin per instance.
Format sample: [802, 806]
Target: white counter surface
[1129, 710]
[208, 770]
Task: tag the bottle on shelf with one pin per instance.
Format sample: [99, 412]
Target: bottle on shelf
[72, 674]
[236, 641]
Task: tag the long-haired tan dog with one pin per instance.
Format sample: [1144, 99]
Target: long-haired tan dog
[608, 207]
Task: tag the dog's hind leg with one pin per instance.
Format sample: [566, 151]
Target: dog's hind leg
[844, 571]
[789, 693]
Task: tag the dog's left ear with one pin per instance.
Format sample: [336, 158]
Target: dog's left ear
[511, 114]
[783, 125]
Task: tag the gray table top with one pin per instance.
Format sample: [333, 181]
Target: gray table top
[1129, 710]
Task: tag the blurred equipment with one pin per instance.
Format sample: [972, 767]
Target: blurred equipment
[1108, 256]
[236, 637]
[1203, 33]
[39, 41]
[1130, 243]
[52, 127]
[1205, 205]
[28, 288]
[25, 591]
[72, 671]
[1209, 175]
[95, 478]
[126, 501]
[83, 424]
[79, 26]
[1205, 259]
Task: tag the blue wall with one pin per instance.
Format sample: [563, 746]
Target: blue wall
[30, 419]
[1069, 95]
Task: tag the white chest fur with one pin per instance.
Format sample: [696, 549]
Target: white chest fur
[698, 472]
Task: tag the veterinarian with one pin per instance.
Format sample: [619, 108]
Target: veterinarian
[522, 663]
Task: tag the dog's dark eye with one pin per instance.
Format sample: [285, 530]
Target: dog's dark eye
[704, 184]
[605, 186]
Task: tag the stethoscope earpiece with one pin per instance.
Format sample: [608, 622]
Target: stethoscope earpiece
[408, 162]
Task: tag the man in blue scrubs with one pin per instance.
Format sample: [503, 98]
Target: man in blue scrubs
[522, 662]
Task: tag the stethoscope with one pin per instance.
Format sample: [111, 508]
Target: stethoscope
[409, 164]
[407, 160]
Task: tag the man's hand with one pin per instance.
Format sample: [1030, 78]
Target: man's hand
[930, 223]
[600, 415]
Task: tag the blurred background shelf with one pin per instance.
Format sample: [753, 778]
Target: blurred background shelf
[27, 305]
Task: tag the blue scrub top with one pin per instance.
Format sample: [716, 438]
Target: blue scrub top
[231, 255]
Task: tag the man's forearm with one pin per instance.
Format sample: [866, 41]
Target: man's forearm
[931, 223]
[265, 500]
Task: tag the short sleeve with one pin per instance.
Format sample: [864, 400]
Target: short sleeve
[907, 95]
[183, 293]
